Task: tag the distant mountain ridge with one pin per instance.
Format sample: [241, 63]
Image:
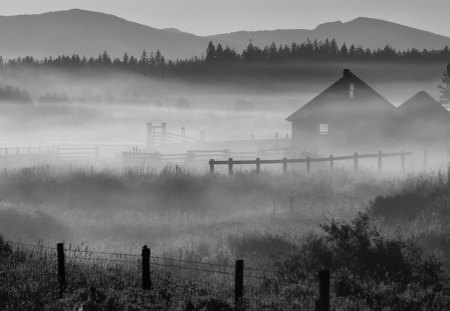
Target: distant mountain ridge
[89, 33]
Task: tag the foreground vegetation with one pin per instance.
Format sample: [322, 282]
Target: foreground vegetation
[393, 256]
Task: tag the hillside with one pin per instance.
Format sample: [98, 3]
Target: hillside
[89, 33]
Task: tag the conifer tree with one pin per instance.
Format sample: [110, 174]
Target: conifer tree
[210, 52]
[444, 88]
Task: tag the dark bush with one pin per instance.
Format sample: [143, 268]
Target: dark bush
[360, 249]
[399, 207]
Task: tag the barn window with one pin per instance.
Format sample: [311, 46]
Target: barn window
[351, 90]
[323, 129]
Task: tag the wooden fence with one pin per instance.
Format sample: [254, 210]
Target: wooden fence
[331, 159]
[142, 158]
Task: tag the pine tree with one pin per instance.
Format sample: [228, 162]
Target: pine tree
[144, 59]
[444, 88]
[219, 53]
[210, 52]
[344, 51]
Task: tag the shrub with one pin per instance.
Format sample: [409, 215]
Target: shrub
[359, 249]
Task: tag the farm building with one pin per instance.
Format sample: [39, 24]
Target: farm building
[349, 112]
[352, 115]
[423, 119]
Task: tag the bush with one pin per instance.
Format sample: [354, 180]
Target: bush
[359, 249]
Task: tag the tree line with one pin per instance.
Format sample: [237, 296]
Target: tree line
[309, 51]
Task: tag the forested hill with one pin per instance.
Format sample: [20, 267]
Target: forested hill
[88, 33]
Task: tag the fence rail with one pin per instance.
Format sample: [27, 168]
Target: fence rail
[308, 160]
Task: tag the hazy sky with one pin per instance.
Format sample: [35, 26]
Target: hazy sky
[205, 17]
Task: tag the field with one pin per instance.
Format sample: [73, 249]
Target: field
[383, 237]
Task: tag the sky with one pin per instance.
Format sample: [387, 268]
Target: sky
[206, 17]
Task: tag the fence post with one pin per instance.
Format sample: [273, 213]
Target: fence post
[146, 281]
[425, 160]
[239, 283]
[230, 166]
[284, 165]
[331, 162]
[355, 161]
[380, 157]
[403, 161]
[61, 267]
[211, 166]
[323, 304]
[258, 165]
[308, 164]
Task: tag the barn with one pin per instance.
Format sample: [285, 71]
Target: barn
[347, 115]
[350, 115]
[423, 120]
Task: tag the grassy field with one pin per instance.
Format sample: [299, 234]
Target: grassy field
[383, 237]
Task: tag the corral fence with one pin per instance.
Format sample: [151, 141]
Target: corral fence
[138, 157]
[308, 161]
[66, 268]
[68, 150]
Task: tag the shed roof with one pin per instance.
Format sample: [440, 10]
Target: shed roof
[422, 104]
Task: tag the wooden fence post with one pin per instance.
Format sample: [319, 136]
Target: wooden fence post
[258, 165]
[308, 164]
[323, 304]
[403, 161]
[355, 161]
[211, 166]
[284, 165]
[425, 160]
[239, 283]
[230, 166]
[146, 281]
[380, 157]
[331, 162]
[61, 267]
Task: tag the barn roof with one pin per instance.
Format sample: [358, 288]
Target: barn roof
[421, 105]
[364, 96]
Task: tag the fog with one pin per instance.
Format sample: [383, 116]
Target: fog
[235, 112]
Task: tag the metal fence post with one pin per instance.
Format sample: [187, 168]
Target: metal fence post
[284, 165]
[146, 281]
[258, 165]
[61, 266]
[323, 304]
[331, 162]
[239, 283]
[308, 164]
[355, 161]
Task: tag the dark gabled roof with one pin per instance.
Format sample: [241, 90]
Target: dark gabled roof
[421, 105]
[338, 93]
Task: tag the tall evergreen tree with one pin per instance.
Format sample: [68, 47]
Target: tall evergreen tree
[444, 88]
[210, 52]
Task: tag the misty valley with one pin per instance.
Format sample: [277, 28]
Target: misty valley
[307, 175]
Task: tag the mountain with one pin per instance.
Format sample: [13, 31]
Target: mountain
[368, 32]
[90, 33]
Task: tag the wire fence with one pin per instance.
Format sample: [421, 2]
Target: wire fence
[181, 280]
